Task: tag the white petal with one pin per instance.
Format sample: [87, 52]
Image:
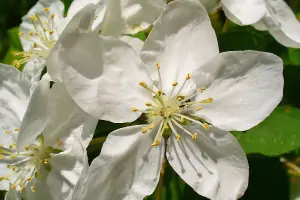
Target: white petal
[67, 118]
[130, 16]
[214, 165]
[56, 7]
[245, 87]
[80, 187]
[41, 191]
[260, 25]
[136, 43]
[80, 23]
[244, 12]
[66, 168]
[77, 5]
[282, 23]
[33, 70]
[128, 167]
[98, 75]
[181, 41]
[14, 98]
[13, 195]
[4, 171]
[36, 116]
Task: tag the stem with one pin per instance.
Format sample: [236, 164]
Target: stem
[159, 192]
[99, 140]
[226, 25]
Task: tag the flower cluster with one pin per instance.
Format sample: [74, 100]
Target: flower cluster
[185, 94]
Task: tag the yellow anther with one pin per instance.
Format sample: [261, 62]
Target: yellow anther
[36, 174]
[134, 109]
[35, 45]
[1, 145]
[180, 97]
[11, 146]
[21, 34]
[16, 63]
[16, 129]
[59, 142]
[205, 126]
[174, 83]
[29, 178]
[199, 108]
[181, 119]
[32, 188]
[144, 130]
[158, 65]
[188, 76]
[12, 157]
[2, 157]
[155, 143]
[27, 148]
[151, 126]
[7, 131]
[159, 92]
[209, 100]
[13, 186]
[14, 168]
[45, 161]
[46, 9]
[22, 189]
[202, 89]
[177, 137]
[51, 32]
[32, 17]
[143, 84]
[148, 104]
[52, 16]
[194, 137]
[8, 165]
[31, 33]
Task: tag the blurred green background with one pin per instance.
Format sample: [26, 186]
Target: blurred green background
[278, 136]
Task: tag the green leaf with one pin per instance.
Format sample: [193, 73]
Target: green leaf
[14, 40]
[241, 39]
[294, 56]
[278, 134]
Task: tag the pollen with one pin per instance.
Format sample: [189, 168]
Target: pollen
[32, 188]
[205, 126]
[158, 65]
[148, 104]
[199, 108]
[159, 92]
[16, 130]
[209, 100]
[51, 32]
[143, 84]
[155, 144]
[13, 186]
[7, 131]
[52, 16]
[175, 83]
[134, 109]
[46, 9]
[177, 137]
[29, 179]
[32, 17]
[144, 130]
[14, 168]
[188, 76]
[202, 89]
[21, 34]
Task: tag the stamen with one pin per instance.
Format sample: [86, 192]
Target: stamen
[194, 137]
[181, 127]
[175, 83]
[32, 188]
[134, 109]
[159, 134]
[148, 104]
[205, 126]
[144, 130]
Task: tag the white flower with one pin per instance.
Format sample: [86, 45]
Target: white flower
[187, 91]
[116, 17]
[45, 22]
[43, 138]
[274, 16]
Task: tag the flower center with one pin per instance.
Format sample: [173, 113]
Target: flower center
[172, 111]
[27, 165]
[42, 36]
